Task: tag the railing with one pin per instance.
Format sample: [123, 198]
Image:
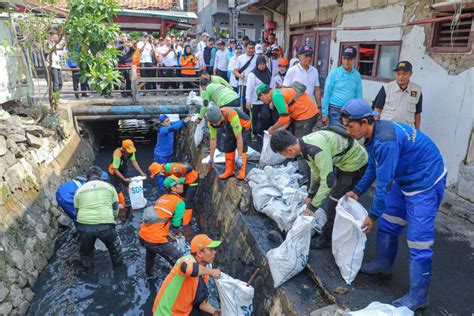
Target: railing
[138, 82]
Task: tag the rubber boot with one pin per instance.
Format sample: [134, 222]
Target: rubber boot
[420, 278]
[243, 169]
[229, 166]
[387, 246]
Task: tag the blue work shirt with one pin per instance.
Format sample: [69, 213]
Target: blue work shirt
[165, 139]
[400, 153]
[67, 190]
[341, 86]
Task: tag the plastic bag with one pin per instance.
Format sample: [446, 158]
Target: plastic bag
[348, 240]
[135, 190]
[320, 219]
[193, 99]
[235, 296]
[380, 309]
[267, 156]
[199, 133]
[291, 256]
[181, 245]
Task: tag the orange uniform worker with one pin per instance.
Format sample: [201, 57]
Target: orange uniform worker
[298, 110]
[118, 168]
[190, 186]
[236, 125]
[154, 233]
[184, 291]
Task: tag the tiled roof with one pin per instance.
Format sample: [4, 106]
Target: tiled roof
[137, 4]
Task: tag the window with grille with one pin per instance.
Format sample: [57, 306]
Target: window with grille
[375, 60]
[453, 36]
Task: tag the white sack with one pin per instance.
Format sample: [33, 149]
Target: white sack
[380, 309]
[181, 245]
[235, 296]
[135, 190]
[320, 219]
[291, 256]
[193, 99]
[268, 157]
[199, 133]
[348, 240]
[219, 157]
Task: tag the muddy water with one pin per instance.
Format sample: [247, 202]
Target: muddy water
[66, 288]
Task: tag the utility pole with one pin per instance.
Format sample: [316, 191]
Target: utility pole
[234, 14]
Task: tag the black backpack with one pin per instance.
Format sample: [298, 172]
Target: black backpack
[207, 55]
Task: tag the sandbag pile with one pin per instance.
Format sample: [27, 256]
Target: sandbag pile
[276, 193]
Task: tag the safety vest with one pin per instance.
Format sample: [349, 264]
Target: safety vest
[158, 231]
[123, 162]
[180, 171]
[229, 114]
[400, 105]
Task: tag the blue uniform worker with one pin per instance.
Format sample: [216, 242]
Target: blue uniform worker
[410, 181]
[165, 142]
[65, 195]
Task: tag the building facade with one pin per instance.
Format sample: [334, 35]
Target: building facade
[441, 52]
[215, 15]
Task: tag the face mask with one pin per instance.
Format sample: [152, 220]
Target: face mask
[275, 54]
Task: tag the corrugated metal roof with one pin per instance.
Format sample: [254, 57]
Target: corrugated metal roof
[177, 15]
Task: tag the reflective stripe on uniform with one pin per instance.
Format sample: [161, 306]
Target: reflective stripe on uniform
[333, 198]
[394, 219]
[77, 183]
[164, 210]
[420, 244]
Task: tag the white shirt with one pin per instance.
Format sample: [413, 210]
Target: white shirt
[273, 65]
[201, 46]
[277, 81]
[309, 78]
[170, 59]
[145, 55]
[233, 64]
[221, 60]
[241, 61]
[250, 93]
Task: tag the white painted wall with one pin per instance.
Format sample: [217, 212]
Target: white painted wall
[448, 106]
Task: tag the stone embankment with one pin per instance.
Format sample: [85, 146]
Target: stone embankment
[36, 156]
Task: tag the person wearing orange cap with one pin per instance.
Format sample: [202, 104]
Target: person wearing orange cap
[279, 76]
[184, 291]
[119, 166]
[190, 186]
[154, 233]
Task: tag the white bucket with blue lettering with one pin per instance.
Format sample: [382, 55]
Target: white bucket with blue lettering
[135, 191]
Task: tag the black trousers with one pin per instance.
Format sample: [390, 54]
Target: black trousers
[167, 250]
[169, 73]
[345, 181]
[189, 193]
[88, 234]
[261, 118]
[146, 73]
[222, 74]
[76, 83]
[303, 127]
[230, 142]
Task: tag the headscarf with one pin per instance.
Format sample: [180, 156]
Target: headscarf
[263, 75]
[184, 51]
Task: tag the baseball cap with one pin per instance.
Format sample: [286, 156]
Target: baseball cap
[306, 50]
[214, 114]
[212, 39]
[350, 52]
[259, 49]
[404, 66]
[245, 38]
[203, 241]
[238, 47]
[145, 34]
[155, 168]
[275, 47]
[163, 118]
[356, 109]
[205, 34]
[220, 43]
[262, 89]
[171, 181]
[128, 145]
[283, 61]
[233, 40]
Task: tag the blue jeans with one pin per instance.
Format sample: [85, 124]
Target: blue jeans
[161, 160]
[334, 115]
[418, 212]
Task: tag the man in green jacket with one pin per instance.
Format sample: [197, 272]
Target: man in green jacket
[323, 150]
[97, 208]
[218, 94]
[214, 79]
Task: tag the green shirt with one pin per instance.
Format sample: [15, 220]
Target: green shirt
[218, 94]
[222, 81]
[320, 149]
[93, 202]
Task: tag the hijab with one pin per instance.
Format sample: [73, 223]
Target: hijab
[185, 54]
[263, 75]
